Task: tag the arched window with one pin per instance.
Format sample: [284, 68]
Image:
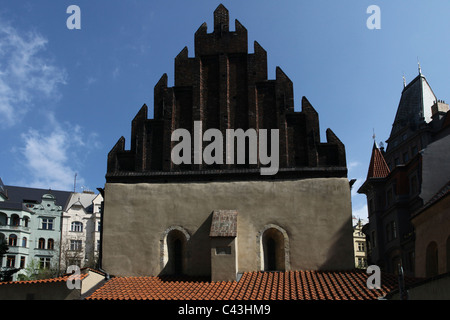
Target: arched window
[26, 220]
[50, 244]
[41, 243]
[3, 219]
[76, 226]
[12, 240]
[173, 249]
[273, 250]
[273, 243]
[270, 253]
[15, 220]
[431, 260]
[176, 242]
[24, 242]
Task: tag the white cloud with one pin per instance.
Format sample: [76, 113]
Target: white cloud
[361, 212]
[116, 72]
[51, 154]
[352, 165]
[24, 73]
[90, 80]
[51, 159]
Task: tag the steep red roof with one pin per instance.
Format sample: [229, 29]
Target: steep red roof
[378, 167]
[289, 285]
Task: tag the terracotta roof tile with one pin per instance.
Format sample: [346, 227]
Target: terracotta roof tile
[289, 285]
[378, 167]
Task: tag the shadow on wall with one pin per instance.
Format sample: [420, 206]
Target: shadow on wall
[190, 255]
[183, 256]
[340, 254]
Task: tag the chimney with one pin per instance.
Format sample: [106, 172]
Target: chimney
[439, 109]
[223, 234]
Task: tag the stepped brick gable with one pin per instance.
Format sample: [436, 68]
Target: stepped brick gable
[224, 87]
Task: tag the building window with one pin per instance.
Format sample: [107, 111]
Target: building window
[411, 260]
[98, 226]
[50, 244]
[11, 261]
[76, 245]
[44, 263]
[389, 197]
[98, 245]
[47, 224]
[15, 220]
[176, 246]
[22, 262]
[394, 230]
[41, 243]
[24, 242]
[405, 157]
[391, 231]
[76, 226]
[3, 219]
[362, 262]
[431, 267]
[370, 206]
[13, 240]
[361, 246]
[223, 250]
[273, 250]
[414, 150]
[25, 222]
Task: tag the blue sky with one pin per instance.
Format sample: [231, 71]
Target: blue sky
[66, 96]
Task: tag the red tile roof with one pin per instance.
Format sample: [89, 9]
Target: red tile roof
[378, 167]
[289, 285]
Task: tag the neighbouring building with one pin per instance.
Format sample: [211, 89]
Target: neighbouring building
[359, 244]
[30, 222]
[400, 179]
[432, 229]
[49, 229]
[54, 288]
[223, 219]
[80, 241]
